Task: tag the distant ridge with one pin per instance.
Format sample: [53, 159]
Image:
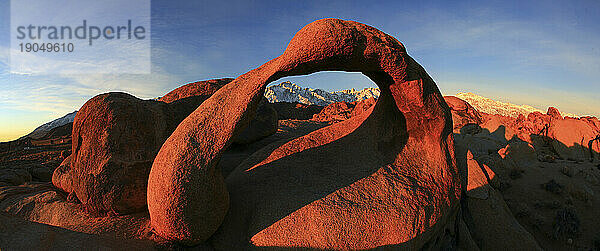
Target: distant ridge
[491, 106]
[42, 130]
[290, 92]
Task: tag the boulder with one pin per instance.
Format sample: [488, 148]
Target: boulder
[116, 137]
[490, 221]
[61, 178]
[470, 129]
[503, 128]
[571, 138]
[554, 113]
[187, 98]
[537, 123]
[336, 112]
[340, 111]
[362, 106]
[593, 121]
[518, 153]
[480, 143]
[493, 226]
[478, 178]
[462, 113]
[385, 178]
[200, 88]
[286, 110]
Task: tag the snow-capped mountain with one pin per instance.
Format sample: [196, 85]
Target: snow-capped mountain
[362, 94]
[290, 92]
[491, 106]
[45, 128]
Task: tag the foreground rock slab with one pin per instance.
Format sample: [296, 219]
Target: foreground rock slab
[18, 234]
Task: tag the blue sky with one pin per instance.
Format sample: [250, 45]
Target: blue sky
[541, 53]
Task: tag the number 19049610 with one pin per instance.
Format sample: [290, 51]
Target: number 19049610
[47, 47]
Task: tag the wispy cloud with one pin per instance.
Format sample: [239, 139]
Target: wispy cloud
[525, 43]
[62, 93]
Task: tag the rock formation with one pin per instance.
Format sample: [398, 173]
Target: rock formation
[190, 95]
[116, 137]
[572, 137]
[518, 153]
[462, 113]
[490, 221]
[200, 88]
[554, 113]
[341, 111]
[380, 173]
[385, 178]
[295, 110]
[528, 186]
[61, 178]
[262, 125]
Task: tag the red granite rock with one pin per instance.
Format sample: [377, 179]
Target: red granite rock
[385, 178]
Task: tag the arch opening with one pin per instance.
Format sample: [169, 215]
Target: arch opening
[404, 140]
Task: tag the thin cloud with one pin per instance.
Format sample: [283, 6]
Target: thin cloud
[524, 43]
[62, 93]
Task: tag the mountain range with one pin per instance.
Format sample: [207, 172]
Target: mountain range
[290, 92]
[491, 106]
[42, 130]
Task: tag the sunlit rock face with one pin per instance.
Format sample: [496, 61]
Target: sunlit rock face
[116, 137]
[573, 138]
[384, 178]
[462, 113]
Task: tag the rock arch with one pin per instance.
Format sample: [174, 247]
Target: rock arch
[395, 182]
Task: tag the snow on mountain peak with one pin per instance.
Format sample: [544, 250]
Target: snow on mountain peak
[290, 92]
[491, 106]
[41, 131]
